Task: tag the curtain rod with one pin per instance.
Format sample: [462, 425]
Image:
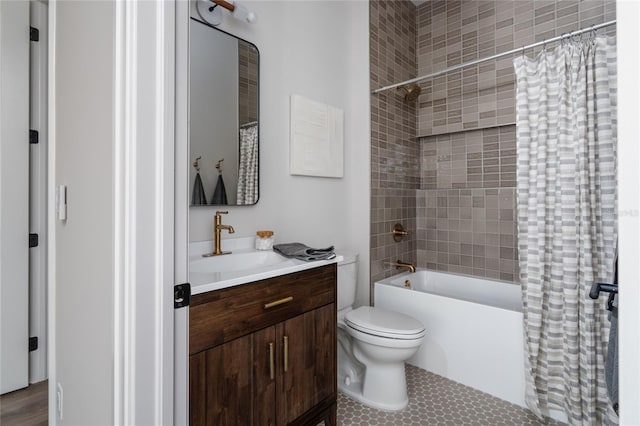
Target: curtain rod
[499, 55]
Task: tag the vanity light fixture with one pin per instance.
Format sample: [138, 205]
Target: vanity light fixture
[211, 11]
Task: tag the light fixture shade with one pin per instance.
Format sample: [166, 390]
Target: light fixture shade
[209, 12]
[241, 13]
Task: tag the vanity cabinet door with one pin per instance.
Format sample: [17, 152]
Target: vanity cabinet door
[220, 384]
[234, 383]
[264, 377]
[308, 370]
[198, 389]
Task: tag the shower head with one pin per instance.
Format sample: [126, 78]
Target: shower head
[411, 92]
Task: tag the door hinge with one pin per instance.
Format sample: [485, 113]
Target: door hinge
[181, 295]
[33, 240]
[34, 34]
[34, 136]
[33, 344]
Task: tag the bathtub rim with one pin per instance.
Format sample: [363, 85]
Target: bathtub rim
[387, 281]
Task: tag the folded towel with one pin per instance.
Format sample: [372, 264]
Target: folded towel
[220, 193]
[198, 197]
[303, 252]
[611, 362]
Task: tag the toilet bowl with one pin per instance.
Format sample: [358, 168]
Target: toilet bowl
[373, 345]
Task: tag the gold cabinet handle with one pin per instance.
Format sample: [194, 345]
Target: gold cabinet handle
[272, 364]
[285, 343]
[278, 302]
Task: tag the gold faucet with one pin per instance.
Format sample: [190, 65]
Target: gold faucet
[400, 264]
[217, 227]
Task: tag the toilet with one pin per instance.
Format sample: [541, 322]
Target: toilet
[373, 344]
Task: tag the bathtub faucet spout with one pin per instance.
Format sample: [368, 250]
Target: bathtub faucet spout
[401, 264]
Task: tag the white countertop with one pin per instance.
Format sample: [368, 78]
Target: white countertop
[202, 282]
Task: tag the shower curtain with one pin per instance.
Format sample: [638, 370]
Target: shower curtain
[567, 222]
[248, 164]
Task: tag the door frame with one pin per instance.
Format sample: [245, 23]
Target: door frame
[144, 216]
[38, 193]
[181, 316]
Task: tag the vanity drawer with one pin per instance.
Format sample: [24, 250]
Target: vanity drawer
[220, 316]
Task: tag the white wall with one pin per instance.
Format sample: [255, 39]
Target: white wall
[318, 49]
[82, 137]
[629, 210]
[14, 187]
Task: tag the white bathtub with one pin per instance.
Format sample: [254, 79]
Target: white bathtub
[474, 328]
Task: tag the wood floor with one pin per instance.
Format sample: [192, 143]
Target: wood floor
[25, 407]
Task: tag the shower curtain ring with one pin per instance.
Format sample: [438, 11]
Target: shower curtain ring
[575, 38]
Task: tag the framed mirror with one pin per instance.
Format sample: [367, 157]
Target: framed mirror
[223, 117]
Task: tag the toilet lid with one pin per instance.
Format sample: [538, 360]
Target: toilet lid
[380, 322]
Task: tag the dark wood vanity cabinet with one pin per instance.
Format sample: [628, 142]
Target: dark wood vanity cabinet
[264, 353]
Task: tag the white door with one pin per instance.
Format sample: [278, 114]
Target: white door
[14, 191]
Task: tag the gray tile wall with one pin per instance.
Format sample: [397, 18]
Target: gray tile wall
[466, 208]
[468, 231]
[395, 151]
[452, 32]
[483, 158]
[455, 189]
[247, 83]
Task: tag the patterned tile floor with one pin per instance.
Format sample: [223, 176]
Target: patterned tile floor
[435, 400]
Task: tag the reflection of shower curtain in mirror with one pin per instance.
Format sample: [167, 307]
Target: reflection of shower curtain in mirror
[248, 164]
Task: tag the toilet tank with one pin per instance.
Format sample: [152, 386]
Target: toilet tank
[347, 280]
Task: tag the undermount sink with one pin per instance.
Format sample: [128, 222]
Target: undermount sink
[237, 262]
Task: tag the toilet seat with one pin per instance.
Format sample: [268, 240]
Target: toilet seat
[386, 324]
[384, 342]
